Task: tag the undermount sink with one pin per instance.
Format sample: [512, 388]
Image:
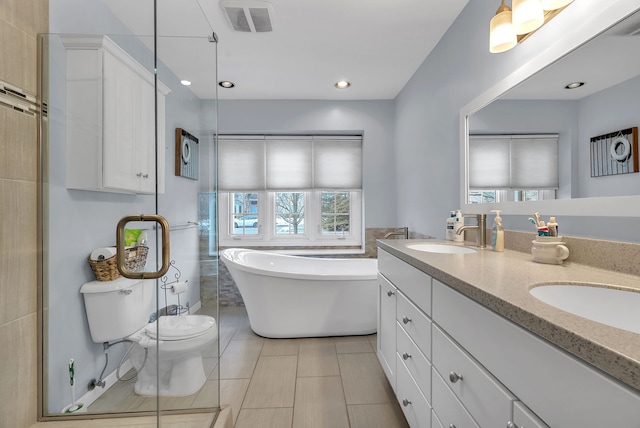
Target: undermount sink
[611, 306]
[441, 248]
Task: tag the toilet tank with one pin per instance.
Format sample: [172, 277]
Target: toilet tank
[115, 309]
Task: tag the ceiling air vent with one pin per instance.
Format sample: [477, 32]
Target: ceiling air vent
[249, 16]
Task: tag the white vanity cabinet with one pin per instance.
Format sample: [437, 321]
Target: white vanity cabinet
[560, 389]
[486, 371]
[111, 130]
[405, 333]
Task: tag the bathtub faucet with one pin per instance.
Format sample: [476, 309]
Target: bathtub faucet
[403, 231]
[481, 232]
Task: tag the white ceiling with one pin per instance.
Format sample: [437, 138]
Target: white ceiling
[609, 59]
[377, 45]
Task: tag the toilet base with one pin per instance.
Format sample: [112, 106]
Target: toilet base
[177, 378]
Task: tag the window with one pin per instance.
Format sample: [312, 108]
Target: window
[303, 191]
[335, 212]
[244, 214]
[512, 168]
[289, 213]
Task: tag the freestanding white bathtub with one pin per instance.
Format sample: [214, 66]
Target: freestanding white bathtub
[292, 296]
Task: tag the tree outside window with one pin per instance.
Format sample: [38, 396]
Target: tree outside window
[336, 208]
[289, 213]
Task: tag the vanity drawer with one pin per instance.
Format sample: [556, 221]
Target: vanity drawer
[415, 323]
[448, 408]
[416, 285]
[483, 396]
[415, 361]
[525, 418]
[414, 405]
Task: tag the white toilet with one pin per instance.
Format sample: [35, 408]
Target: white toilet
[121, 309]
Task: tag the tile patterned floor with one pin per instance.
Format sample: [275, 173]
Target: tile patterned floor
[333, 382]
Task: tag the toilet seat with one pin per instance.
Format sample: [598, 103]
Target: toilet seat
[180, 327]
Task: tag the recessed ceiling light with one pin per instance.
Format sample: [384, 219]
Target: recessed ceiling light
[185, 82]
[343, 84]
[226, 84]
[574, 85]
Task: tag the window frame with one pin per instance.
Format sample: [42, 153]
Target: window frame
[312, 239]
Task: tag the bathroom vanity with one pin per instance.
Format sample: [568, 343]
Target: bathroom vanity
[464, 344]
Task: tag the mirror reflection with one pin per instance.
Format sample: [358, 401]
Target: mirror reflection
[587, 100]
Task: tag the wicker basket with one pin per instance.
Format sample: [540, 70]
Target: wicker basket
[107, 270]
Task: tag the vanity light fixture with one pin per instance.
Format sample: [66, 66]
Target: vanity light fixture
[343, 84]
[520, 21]
[574, 85]
[502, 36]
[185, 82]
[226, 84]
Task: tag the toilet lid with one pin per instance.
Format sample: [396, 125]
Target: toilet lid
[180, 327]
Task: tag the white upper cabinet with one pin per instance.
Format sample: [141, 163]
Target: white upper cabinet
[111, 131]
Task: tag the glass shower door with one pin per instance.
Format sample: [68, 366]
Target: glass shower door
[121, 136]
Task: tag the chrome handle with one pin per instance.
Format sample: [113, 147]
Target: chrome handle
[406, 356]
[406, 320]
[120, 253]
[454, 377]
[405, 402]
[390, 293]
[511, 425]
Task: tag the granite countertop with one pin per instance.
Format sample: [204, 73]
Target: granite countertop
[501, 282]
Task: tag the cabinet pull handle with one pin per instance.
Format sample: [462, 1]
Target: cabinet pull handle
[454, 377]
[406, 356]
[406, 320]
[390, 293]
[405, 402]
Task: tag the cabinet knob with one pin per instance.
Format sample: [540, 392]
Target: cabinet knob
[405, 402]
[406, 320]
[511, 425]
[406, 356]
[454, 377]
[452, 426]
[390, 293]
[139, 174]
[145, 176]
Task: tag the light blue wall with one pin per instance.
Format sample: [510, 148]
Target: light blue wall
[427, 135]
[374, 119]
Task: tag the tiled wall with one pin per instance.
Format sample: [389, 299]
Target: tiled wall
[20, 22]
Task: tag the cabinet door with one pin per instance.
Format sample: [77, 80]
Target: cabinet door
[387, 328]
[120, 157]
[145, 138]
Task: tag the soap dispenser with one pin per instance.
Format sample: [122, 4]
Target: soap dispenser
[497, 236]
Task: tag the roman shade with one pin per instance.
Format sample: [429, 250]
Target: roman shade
[517, 162]
[288, 162]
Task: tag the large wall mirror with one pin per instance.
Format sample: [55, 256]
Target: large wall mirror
[534, 101]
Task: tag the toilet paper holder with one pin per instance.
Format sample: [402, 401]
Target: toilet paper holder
[174, 287]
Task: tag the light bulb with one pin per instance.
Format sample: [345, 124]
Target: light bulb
[528, 16]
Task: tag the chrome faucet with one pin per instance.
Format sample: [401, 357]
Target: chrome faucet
[481, 233]
[403, 231]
